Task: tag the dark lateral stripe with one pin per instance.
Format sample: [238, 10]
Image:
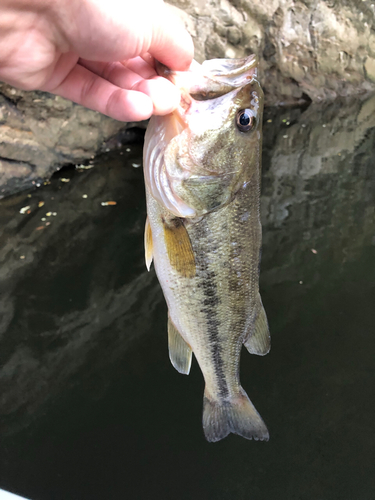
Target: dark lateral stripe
[210, 304]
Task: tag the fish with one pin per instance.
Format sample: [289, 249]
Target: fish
[202, 169]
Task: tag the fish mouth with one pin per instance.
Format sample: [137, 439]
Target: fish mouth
[212, 78]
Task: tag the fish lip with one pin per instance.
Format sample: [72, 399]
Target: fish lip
[230, 68]
[212, 78]
[209, 80]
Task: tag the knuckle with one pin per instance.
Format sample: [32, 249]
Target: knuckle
[88, 87]
[113, 102]
[108, 70]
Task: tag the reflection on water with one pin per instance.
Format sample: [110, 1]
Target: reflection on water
[90, 406]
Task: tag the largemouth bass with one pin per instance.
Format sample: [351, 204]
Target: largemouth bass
[202, 166]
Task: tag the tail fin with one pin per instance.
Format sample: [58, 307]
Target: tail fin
[237, 415]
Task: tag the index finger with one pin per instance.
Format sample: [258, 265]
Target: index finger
[171, 43]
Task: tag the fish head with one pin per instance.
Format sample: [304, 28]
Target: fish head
[222, 133]
[199, 156]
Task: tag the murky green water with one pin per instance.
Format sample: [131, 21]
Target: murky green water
[91, 407]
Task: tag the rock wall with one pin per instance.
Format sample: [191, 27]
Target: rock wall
[40, 132]
[315, 49]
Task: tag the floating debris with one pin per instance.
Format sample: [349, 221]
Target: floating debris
[64, 179]
[136, 165]
[84, 196]
[22, 257]
[29, 195]
[48, 214]
[54, 214]
[24, 210]
[84, 167]
[128, 150]
[48, 223]
[40, 204]
[108, 203]
[300, 282]
[314, 251]
[285, 137]
[39, 228]
[43, 219]
[269, 121]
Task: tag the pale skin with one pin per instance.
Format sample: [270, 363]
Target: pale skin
[98, 53]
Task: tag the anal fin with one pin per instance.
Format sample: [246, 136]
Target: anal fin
[259, 339]
[180, 352]
[149, 249]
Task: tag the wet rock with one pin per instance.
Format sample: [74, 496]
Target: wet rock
[40, 132]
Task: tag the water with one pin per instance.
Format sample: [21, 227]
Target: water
[90, 405]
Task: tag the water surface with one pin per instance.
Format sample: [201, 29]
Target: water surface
[90, 405]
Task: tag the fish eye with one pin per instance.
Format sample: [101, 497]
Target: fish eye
[245, 120]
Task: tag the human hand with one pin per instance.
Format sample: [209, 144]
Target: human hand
[98, 53]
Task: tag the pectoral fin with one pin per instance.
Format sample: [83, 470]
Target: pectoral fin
[179, 249]
[149, 250]
[259, 340]
[180, 352]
